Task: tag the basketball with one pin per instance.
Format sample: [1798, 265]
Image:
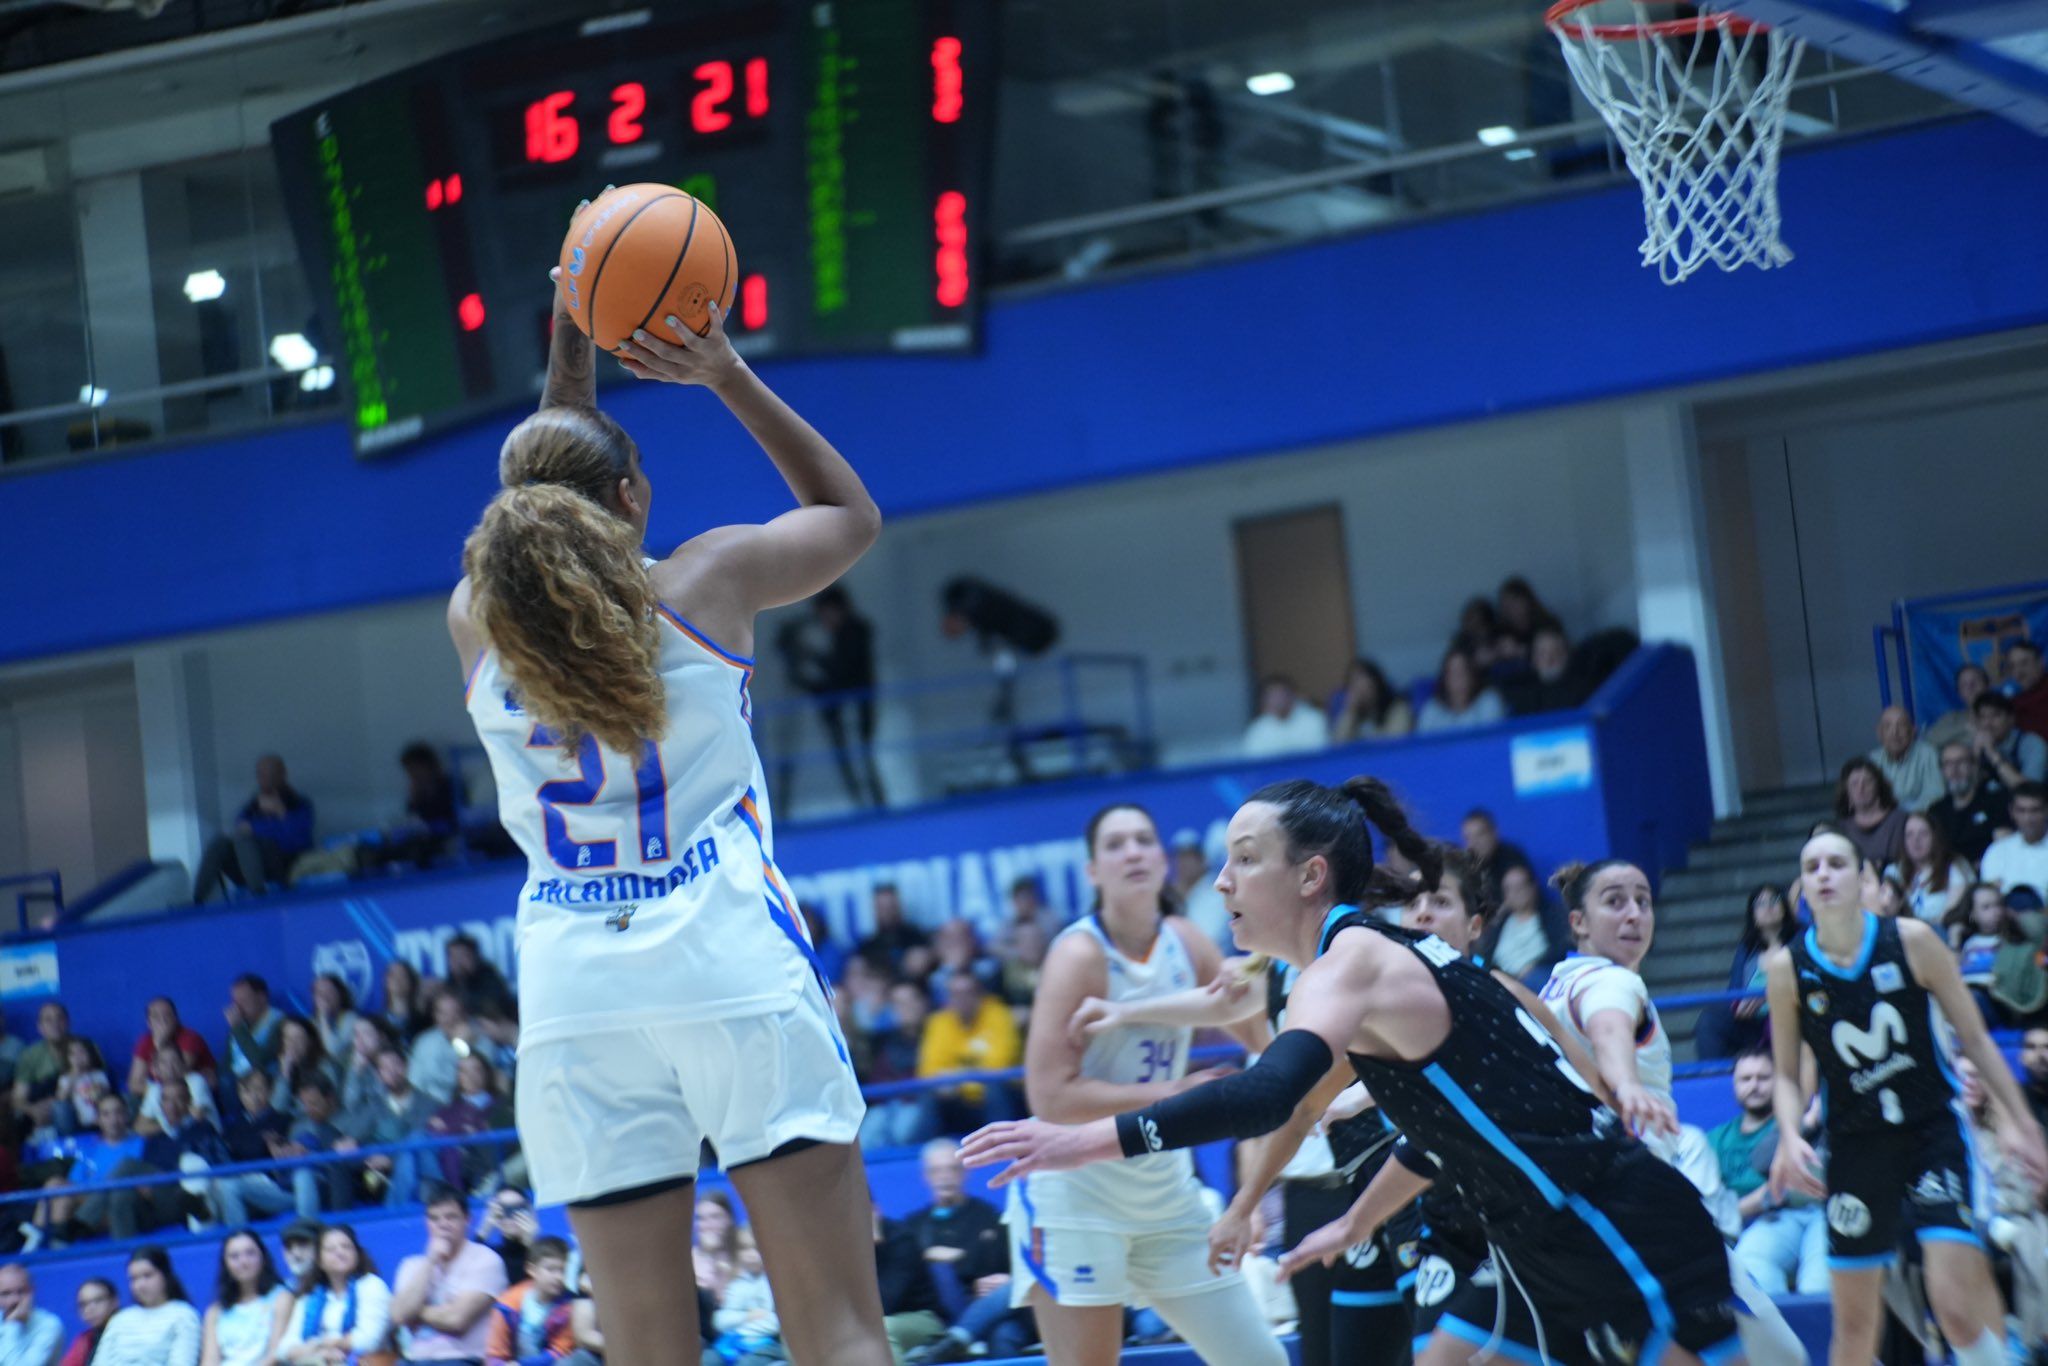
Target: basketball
[639, 253]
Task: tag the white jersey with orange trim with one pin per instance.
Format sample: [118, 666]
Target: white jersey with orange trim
[651, 892]
[1585, 984]
[1140, 1193]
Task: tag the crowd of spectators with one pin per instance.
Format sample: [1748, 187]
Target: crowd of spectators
[1954, 834]
[1783, 1244]
[505, 1295]
[271, 845]
[1509, 656]
[280, 1085]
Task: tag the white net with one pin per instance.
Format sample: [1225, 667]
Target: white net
[1699, 109]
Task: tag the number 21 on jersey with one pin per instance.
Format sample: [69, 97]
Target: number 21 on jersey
[651, 788]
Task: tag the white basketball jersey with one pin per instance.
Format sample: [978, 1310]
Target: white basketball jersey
[651, 892]
[1585, 984]
[1155, 1190]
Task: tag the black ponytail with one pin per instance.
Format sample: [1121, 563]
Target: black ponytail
[1385, 812]
[1326, 821]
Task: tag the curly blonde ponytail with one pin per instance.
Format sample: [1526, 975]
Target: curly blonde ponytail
[558, 585]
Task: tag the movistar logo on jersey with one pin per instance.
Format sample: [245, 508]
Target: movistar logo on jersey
[1149, 1129]
[1869, 1051]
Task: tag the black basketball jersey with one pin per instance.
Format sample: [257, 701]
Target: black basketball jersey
[1449, 1227]
[1353, 1140]
[1875, 1032]
[1497, 1108]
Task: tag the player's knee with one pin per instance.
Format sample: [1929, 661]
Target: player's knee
[1855, 1319]
[1957, 1305]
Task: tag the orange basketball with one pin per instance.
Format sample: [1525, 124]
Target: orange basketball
[639, 253]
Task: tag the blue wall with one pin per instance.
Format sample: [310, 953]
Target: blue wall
[1907, 239]
[1547, 779]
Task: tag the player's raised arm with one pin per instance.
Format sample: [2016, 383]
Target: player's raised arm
[736, 571]
[572, 359]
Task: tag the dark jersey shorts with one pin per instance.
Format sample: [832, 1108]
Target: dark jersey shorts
[1458, 1292]
[1919, 1179]
[1634, 1266]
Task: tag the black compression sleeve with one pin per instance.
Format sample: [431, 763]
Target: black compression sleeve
[1253, 1102]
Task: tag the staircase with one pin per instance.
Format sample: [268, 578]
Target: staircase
[1700, 907]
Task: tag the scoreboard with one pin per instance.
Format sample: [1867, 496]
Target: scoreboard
[843, 142]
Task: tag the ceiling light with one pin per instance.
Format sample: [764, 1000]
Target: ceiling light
[202, 285]
[1519, 153]
[1498, 134]
[1269, 83]
[292, 351]
[93, 395]
[317, 378]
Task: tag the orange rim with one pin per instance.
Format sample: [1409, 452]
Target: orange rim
[1558, 18]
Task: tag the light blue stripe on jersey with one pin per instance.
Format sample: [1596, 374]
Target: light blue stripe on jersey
[1862, 963]
[1365, 1299]
[1480, 1337]
[1589, 1214]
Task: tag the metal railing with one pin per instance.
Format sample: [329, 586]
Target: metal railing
[506, 1141]
[1072, 714]
[33, 883]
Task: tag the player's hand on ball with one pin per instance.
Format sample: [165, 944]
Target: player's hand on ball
[708, 360]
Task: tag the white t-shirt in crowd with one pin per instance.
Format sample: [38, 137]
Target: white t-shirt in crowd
[167, 1335]
[1301, 729]
[2012, 862]
[1521, 945]
[1928, 904]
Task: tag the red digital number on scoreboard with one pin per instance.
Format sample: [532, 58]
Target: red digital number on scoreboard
[551, 132]
[629, 102]
[724, 91]
[716, 85]
[946, 80]
[754, 302]
[949, 220]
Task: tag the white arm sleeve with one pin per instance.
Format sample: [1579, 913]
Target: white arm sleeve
[373, 1315]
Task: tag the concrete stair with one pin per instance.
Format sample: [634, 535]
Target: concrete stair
[1700, 906]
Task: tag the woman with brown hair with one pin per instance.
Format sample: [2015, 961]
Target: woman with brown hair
[1868, 814]
[668, 992]
[1933, 877]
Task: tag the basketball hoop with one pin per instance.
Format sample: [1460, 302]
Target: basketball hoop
[1698, 104]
